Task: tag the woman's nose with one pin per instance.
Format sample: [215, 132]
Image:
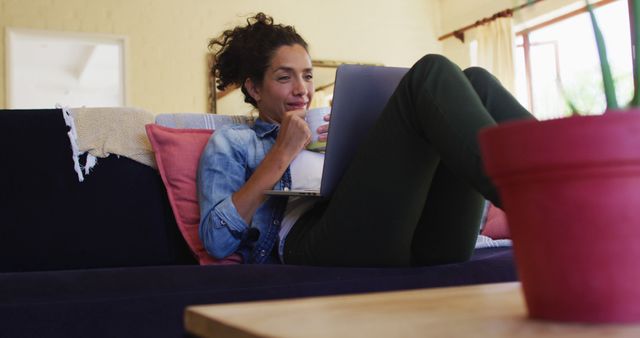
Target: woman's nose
[300, 87]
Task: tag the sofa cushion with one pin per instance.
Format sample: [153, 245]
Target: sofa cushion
[496, 225]
[119, 215]
[201, 120]
[150, 301]
[177, 154]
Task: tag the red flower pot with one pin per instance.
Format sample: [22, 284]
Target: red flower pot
[571, 191]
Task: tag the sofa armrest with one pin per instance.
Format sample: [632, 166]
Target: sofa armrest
[119, 216]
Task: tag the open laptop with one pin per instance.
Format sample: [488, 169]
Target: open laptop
[359, 96]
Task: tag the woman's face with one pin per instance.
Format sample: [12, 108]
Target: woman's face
[287, 84]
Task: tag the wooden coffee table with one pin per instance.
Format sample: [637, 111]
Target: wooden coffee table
[488, 310]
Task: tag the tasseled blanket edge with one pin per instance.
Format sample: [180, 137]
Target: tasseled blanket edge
[73, 139]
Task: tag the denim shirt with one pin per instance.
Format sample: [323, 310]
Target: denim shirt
[230, 157]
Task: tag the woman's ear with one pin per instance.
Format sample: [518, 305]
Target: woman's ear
[252, 89]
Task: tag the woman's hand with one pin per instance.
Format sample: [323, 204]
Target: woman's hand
[323, 130]
[294, 134]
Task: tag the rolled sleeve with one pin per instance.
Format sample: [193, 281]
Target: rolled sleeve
[222, 230]
[225, 214]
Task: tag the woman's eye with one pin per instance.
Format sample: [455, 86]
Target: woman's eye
[283, 78]
[309, 77]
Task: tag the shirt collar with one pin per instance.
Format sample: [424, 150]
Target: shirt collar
[263, 128]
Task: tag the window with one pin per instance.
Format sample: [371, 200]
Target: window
[558, 61]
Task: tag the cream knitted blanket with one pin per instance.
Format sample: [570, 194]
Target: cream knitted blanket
[120, 131]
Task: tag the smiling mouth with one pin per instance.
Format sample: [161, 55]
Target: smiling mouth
[302, 105]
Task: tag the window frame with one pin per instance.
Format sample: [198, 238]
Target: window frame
[526, 43]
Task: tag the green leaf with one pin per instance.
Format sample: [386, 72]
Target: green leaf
[565, 97]
[635, 11]
[607, 78]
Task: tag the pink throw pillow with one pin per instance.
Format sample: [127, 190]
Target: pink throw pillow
[496, 225]
[177, 154]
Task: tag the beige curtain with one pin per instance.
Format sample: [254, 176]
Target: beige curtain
[496, 50]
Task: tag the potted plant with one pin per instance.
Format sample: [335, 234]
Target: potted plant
[571, 191]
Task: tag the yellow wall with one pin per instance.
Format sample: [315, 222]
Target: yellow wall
[167, 38]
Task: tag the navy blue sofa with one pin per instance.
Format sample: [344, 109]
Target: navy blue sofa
[104, 258]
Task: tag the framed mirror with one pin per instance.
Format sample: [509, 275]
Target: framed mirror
[231, 100]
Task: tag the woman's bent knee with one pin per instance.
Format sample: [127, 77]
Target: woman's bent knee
[434, 60]
[478, 74]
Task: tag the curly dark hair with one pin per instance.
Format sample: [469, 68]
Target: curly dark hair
[245, 52]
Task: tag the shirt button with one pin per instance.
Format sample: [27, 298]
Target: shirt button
[276, 222]
[263, 253]
[286, 189]
[223, 222]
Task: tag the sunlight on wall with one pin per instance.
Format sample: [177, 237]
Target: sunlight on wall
[46, 68]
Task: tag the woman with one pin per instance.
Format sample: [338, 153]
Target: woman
[422, 154]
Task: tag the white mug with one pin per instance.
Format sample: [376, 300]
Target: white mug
[315, 118]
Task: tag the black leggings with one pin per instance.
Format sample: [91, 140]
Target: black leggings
[414, 193]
